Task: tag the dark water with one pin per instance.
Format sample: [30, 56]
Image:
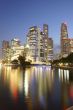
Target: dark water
[35, 88]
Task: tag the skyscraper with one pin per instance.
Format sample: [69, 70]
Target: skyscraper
[45, 43]
[64, 32]
[64, 39]
[45, 29]
[33, 40]
[5, 47]
[50, 48]
[5, 44]
[48, 44]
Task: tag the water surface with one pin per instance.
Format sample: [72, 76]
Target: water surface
[35, 88]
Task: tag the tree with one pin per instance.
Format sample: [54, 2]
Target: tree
[21, 60]
[14, 61]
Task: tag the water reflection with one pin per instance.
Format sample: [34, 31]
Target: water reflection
[63, 75]
[37, 88]
[13, 80]
[38, 81]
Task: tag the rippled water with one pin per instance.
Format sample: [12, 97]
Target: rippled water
[35, 88]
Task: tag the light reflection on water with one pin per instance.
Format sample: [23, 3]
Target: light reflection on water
[37, 87]
[63, 75]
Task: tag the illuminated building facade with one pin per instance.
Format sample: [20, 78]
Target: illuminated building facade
[42, 47]
[33, 40]
[15, 42]
[64, 39]
[11, 52]
[16, 49]
[16, 52]
[5, 48]
[45, 43]
[48, 44]
[45, 29]
[5, 44]
[50, 48]
[71, 45]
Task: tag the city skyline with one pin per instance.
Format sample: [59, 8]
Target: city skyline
[18, 16]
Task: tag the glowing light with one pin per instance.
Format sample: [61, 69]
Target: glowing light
[20, 83]
[68, 75]
[60, 74]
[27, 46]
[31, 29]
[65, 74]
[26, 84]
[14, 83]
[0, 65]
[16, 39]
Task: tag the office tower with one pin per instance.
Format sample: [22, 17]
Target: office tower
[48, 44]
[42, 47]
[5, 44]
[45, 29]
[45, 43]
[33, 40]
[50, 48]
[64, 32]
[64, 39]
[5, 48]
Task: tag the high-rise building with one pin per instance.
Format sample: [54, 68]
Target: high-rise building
[48, 44]
[5, 48]
[5, 44]
[33, 40]
[45, 29]
[64, 39]
[45, 43]
[50, 48]
[64, 31]
[42, 47]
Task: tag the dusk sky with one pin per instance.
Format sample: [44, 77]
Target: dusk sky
[16, 16]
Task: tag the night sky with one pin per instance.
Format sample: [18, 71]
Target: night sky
[16, 16]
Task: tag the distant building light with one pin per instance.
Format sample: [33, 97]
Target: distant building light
[31, 29]
[27, 46]
[16, 39]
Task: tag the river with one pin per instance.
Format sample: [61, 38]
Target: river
[35, 88]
